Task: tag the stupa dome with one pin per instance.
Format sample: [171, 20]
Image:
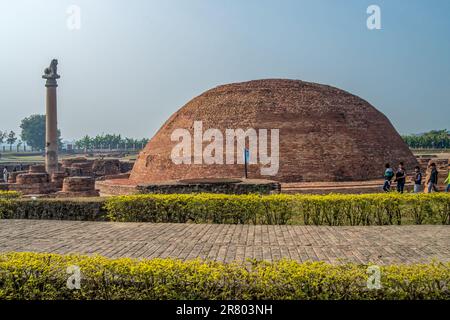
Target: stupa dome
[325, 134]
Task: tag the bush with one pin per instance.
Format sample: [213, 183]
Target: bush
[333, 210]
[91, 209]
[44, 276]
[375, 209]
[200, 208]
[10, 194]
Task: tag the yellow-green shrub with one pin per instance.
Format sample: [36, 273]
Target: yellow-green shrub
[334, 209]
[9, 194]
[91, 209]
[6, 202]
[201, 208]
[44, 276]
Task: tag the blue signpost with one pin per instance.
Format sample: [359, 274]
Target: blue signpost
[246, 159]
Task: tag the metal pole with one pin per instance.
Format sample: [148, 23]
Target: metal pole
[246, 163]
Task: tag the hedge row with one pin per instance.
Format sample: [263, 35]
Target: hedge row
[333, 210]
[91, 209]
[9, 194]
[45, 276]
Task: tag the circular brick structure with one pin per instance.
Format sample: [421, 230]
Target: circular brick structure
[325, 134]
[78, 184]
[31, 178]
[37, 168]
[12, 178]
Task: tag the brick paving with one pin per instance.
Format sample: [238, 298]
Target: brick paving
[377, 244]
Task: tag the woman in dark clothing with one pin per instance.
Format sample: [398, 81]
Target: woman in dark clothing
[400, 177]
[433, 180]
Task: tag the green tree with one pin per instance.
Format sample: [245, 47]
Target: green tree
[439, 139]
[105, 141]
[11, 138]
[84, 143]
[143, 142]
[33, 131]
[2, 136]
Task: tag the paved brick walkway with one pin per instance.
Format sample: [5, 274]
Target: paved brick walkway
[381, 245]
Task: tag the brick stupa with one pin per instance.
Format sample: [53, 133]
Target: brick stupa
[326, 134]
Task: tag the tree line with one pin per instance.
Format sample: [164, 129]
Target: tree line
[435, 139]
[110, 141]
[33, 134]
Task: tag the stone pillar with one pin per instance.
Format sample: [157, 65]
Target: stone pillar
[51, 126]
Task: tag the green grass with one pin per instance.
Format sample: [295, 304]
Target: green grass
[5, 158]
[429, 151]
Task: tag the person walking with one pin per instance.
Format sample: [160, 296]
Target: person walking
[433, 179]
[447, 181]
[417, 180]
[388, 175]
[5, 174]
[427, 176]
[400, 177]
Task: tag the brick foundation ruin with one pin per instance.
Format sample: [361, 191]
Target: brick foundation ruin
[33, 181]
[75, 178]
[78, 187]
[123, 186]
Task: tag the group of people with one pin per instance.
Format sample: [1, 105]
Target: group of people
[399, 176]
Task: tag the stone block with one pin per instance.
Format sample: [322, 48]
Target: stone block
[37, 168]
[57, 178]
[32, 178]
[77, 184]
[13, 176]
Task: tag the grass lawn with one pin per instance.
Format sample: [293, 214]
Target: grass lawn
[8, 158]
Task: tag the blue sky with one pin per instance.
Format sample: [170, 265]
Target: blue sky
[133, 63]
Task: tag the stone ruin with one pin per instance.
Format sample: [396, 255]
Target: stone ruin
[78, 187]
[33, 181]
[325, 135]
[75, 178]
[71, 177]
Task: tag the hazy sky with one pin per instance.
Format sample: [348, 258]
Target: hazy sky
[133, 63]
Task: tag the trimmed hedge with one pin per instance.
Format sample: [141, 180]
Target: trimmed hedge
[91, 209]
[332, 210]
[44, 276]
[9, 194]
